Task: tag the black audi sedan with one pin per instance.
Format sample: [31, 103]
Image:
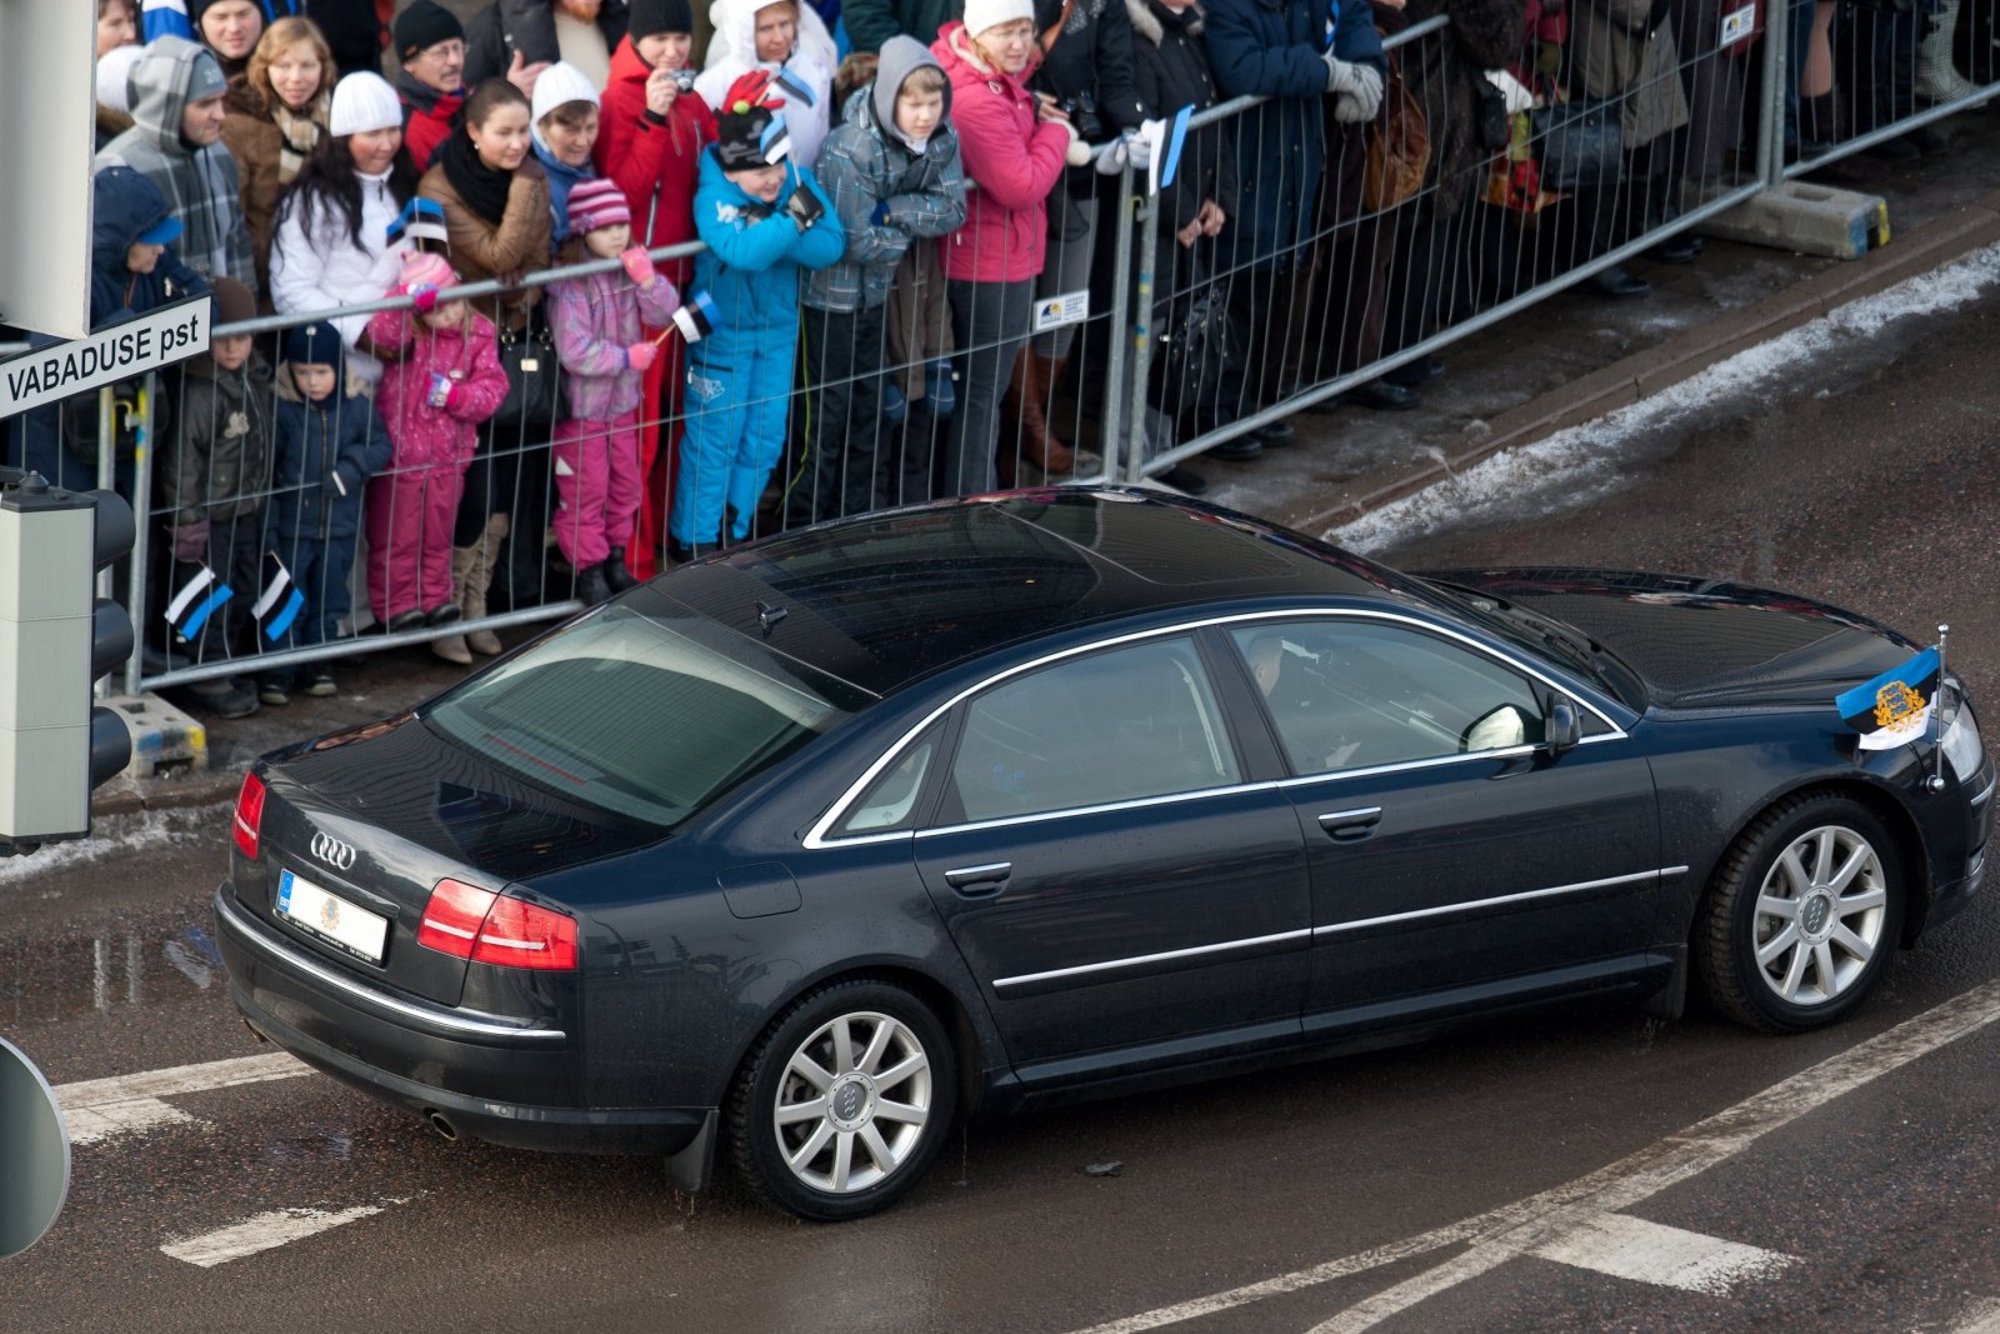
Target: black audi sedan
[799, 852]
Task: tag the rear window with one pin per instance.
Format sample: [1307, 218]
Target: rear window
[650, 710]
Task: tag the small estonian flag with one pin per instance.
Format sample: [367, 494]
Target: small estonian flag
[776, 141]
[198, 599]
[280, 603]
[421, 220]
[795, 86]
[696, 319]
[1894, 708]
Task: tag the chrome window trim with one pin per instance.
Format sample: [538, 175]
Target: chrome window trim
[820, 834]
[1069, 812]
[1133, 962]
[254, 934]
[1405, 766]
[1552, 891]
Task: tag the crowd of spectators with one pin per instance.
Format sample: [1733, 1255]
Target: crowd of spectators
[892, 196]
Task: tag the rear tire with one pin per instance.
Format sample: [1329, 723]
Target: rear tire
[1804, 914]
[844, 1101]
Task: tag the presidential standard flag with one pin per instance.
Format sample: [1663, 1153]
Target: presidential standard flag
[1894, 709]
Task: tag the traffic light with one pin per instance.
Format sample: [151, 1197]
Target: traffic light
[56, 639]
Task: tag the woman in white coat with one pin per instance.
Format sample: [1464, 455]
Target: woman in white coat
[775, 35]
[331, 245]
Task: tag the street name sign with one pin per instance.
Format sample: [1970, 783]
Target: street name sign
[119, 352]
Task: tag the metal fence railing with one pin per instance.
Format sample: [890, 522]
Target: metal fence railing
[1144, 341]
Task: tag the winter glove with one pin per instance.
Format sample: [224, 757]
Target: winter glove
[640, 356]
[1340, 74]
[1112, 158]
[191, 540]
[1518, 98]
[805, 208]
[638, 266]
[1359, 106]
[439, 395]
[1138, 150]
[424, 297]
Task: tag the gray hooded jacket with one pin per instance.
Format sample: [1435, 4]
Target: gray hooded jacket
[202, 187]
[866, 162]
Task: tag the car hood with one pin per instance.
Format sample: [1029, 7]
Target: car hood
[402, 777]
[1702, 642]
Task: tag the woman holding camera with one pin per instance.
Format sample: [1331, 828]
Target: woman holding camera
[654, 129]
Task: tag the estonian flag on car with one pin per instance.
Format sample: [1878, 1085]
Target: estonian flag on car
[197, 600]
[280, 603]
[1894, 708]
[696, 319]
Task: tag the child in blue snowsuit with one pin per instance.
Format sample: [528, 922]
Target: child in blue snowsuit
[329, 443]
[763, 218]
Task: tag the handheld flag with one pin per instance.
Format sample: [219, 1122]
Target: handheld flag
[794, 85]
[280, 603]
[197, 600]
[695, 320]
[1166, 138]
[421, 220]
[776, 141]
[1894, 708]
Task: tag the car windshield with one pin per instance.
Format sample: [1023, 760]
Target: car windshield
[649, 710]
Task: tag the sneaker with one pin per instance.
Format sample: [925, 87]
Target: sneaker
[224, 699]
[320, 682]
[274, 690]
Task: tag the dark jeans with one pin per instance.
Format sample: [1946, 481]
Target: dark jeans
[847, 456]
[989, 322]
[319, 568]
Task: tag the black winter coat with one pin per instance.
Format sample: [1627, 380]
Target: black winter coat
[324, 454]
[216, 463]
[1170, 68]
[527, 26]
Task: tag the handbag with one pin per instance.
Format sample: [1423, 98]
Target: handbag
[1399, 148]
[1199, 348]
[534, 377]
[1580, 144]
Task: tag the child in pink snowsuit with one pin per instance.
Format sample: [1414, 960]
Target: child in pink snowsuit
[605, 352]
[446, 380]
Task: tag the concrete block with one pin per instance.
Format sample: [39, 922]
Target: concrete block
[163, 738]
[1807, 219]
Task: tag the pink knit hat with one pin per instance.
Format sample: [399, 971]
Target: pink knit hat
[594, 204]
[427, 270]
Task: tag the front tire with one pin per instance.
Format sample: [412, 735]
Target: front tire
[1805, 912]
[844, 1102]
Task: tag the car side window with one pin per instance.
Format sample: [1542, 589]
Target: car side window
[1140, 721]
[890, 802]
[1348, 694]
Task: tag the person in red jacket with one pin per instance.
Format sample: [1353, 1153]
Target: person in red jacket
[654, 130]
[1014, 144]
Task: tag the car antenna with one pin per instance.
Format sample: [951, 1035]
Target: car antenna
[768, 616]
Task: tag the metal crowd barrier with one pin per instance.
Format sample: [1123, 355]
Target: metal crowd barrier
[1379, 275]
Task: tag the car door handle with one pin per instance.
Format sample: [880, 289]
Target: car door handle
[1350, 826]
[975, 880]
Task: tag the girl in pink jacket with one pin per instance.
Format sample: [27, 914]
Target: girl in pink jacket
[602, 345]
[1014, 144]
[445, 382]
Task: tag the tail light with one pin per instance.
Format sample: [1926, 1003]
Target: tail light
[249, 815]
[467, 922]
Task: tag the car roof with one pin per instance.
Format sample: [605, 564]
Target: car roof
[885, 599]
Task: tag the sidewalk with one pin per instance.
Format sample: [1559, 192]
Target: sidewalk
[1571, 359]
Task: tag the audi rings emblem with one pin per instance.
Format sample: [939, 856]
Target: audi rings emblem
[338, 855]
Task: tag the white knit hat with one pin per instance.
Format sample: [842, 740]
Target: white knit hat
[363, 102]
[114, 74]
[983, 14]
[559, 85]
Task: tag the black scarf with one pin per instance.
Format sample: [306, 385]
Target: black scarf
[481, 188]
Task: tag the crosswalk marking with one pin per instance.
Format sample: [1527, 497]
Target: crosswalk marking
[95, 1110]
[1627, 1247]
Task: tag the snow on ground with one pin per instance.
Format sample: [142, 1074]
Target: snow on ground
[1576, 466]
[119, 835]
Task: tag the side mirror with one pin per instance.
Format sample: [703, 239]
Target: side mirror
[1564, 727]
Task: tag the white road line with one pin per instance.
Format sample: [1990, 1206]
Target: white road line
[1627, 1247]
[99, 1109]
[263, 1233]
[1982, 1317]
[1501, 1234]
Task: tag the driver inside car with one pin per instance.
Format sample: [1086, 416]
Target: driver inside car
[1308, 713]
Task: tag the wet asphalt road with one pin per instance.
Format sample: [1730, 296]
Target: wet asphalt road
[1876, 1210]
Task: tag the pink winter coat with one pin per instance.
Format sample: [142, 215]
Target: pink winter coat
[596, 318]
[469, 354]
[1014, 161]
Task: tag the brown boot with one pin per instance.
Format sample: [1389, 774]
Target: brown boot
[1026, 401]
[477, 580]
[452, 648]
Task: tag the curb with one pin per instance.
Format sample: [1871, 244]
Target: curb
[1936, 243]
[209, 787]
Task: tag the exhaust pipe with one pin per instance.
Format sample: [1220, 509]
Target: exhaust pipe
[445, 1129]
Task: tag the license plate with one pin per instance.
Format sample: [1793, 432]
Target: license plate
[332, 918]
